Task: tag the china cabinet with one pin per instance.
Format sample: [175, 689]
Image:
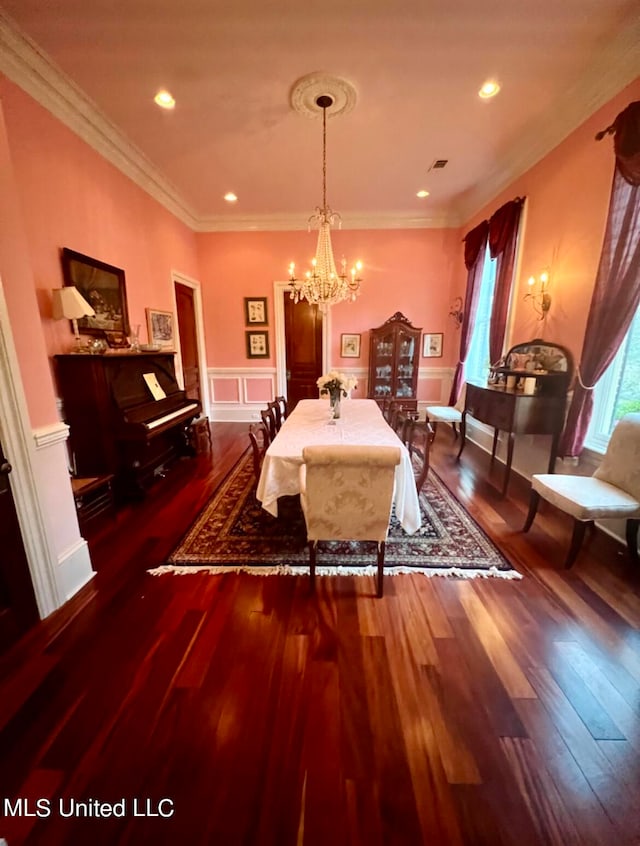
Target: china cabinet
[394, 357]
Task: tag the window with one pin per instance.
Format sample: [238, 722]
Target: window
[476, 368]
[618, 391]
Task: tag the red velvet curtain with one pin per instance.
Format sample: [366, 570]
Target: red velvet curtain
[616, 295]
[475, 243]
[503, 236]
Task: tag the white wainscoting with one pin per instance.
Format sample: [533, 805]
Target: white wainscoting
[239, 393]
[73, 562]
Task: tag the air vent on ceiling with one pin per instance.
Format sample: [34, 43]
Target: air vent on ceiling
[439, 164]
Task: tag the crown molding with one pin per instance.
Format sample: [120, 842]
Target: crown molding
[617, 65]
[23, 62]
[293, 222]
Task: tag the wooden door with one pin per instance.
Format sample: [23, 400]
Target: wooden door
[188, 340]
[18, 609]
[303, 336]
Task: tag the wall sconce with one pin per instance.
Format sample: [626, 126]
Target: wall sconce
[456, 312]
[540, 298]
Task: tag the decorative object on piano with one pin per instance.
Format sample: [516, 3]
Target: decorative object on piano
[350, 346]
[116, 340]
[456, 311]
[102, 286]
[134, 338]
[336, 385]
[323, 285]
[432, 345]
[540, 296]
[160, 327]
[255, 311]
[257, 344]
[70, 304]
[97, 346]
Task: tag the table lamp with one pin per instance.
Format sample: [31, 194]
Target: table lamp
[69, 303]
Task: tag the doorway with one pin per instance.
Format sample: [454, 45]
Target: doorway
[191, 364]
[282, 301]
[18, 608]
[303, 350]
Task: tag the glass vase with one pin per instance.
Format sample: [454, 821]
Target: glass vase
[335, 401]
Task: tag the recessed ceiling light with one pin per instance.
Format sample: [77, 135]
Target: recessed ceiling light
[164, 100]
[422, 194]
[489, 89]
[230, 197]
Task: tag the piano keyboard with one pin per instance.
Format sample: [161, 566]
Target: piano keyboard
[167, 417]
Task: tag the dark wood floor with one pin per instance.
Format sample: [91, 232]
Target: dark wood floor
[449, 712]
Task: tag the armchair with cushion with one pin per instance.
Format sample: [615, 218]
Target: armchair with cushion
[612, 492]
[346, 493]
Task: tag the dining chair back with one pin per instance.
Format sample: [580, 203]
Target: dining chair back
[612, 492]
[259, 438]
[346, 493]
[276, 411]
[269, 419]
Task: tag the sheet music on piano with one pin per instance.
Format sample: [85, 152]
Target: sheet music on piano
[154, 386]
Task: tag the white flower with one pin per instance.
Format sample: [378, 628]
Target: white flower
[335, 381]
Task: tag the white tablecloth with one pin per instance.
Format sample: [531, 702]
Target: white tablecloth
[361, 422]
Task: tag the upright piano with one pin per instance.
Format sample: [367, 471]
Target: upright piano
[117, 426]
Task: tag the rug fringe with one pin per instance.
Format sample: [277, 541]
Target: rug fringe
[284, 570]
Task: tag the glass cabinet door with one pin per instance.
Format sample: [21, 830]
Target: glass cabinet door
[406, 365]
[383, 346]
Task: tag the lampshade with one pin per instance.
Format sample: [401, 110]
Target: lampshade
[68, 302]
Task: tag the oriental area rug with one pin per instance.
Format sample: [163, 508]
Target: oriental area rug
[234, 533]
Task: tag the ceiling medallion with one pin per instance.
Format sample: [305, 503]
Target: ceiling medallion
[307, 90]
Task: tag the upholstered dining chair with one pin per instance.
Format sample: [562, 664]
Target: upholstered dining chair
[259, 438]
[612, 492]
[451, 414]
[346, 493]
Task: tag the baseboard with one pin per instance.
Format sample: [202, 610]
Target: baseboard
[74, 569]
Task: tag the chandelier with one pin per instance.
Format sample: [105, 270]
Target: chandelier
[323, 285]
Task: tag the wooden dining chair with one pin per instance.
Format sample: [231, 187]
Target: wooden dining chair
[269, 419]
[284, 408]
[346, 493]
[259, 438]
[276, 411]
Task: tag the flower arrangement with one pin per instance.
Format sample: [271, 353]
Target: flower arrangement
[336, 384]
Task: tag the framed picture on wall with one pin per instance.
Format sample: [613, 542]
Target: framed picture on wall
[255, 311]
[257, 344]
[350, 346]
[102, 286]
[432, 345]
[160, 325]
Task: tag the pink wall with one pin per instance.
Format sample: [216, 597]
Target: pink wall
[567, 201]
[71, 197]
[404, 270]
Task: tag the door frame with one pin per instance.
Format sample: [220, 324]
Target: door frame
[194, 284]
[279, 289]
[19, 446]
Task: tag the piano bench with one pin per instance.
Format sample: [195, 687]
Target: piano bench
[94, 501]
[200, 435]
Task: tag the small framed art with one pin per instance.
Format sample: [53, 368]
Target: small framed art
[432, 345]
[255, 311]
[161, 328]
[350, 346]
[257, 344]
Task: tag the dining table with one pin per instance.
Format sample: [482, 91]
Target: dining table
[312, 423]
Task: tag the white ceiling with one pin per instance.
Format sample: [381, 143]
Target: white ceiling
[416, 66]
